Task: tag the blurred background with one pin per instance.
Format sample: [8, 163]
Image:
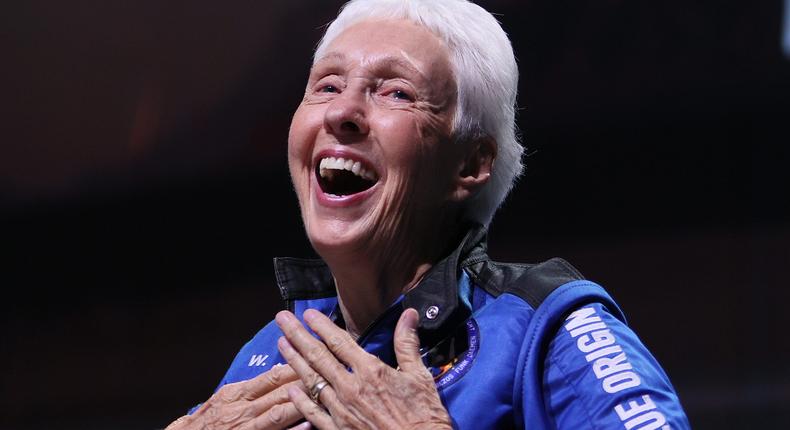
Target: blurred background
[144, 191]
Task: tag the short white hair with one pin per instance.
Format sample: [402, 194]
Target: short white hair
[486, 77]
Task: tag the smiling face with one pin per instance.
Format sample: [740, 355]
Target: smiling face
[368, 149]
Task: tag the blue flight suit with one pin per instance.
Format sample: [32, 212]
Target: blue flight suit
[510, 345]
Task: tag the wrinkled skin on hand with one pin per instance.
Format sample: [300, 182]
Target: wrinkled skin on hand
[261, 403]
[373, 395]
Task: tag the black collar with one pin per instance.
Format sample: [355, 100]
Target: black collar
[435, 297]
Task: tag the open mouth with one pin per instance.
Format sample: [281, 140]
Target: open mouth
[344, 177]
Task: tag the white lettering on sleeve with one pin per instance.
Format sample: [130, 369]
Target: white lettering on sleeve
[600, 338]
[638, 410]
[610, 366]
[635, 408]
[587, 328]
[607, 366]
[581, 317]
[652, 420]
[609, 350]
[621, 381]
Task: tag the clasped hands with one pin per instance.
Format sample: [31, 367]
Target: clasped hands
[371, 395]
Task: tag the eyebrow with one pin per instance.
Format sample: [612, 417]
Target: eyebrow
[387, 62]
[339, 56]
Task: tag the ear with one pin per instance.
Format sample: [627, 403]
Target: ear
[475, 169]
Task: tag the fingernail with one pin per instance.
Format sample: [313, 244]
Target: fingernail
[283, 345]
[411, 319]
[293, 392]
[282, 317]
[303, 426]
[309, 315]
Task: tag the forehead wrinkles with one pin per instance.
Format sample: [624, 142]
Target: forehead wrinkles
[385, 65]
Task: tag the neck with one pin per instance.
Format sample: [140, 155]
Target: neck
[369, 280]
[364, 294]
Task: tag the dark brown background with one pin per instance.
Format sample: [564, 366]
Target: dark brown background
[144, 191]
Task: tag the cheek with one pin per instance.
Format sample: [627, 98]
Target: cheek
[419, 149]
[301, 137]
[403, 143]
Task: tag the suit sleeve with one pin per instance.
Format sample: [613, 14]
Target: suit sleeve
[598, 375]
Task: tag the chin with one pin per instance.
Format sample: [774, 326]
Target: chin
[340, 223]
[334, 238]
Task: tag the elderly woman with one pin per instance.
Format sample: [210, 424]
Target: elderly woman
[401, 151]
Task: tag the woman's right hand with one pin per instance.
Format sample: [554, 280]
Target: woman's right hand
[260, 403]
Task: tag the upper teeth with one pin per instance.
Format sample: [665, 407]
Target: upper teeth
[332, 163]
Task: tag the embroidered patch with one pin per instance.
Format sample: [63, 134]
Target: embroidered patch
[456, 368]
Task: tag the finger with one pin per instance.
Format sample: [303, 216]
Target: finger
[307, 374]
[314, 413]
[327, 396]
[339, 342]
[312, 350]
[276, 397]
[278, 417]
[407, 343]
[303, 426]
[338, 410]
[268, 381]
[179, 423]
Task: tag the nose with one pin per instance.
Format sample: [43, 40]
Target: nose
[346, 115]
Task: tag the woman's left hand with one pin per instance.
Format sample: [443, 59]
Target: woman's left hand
[372, 395]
